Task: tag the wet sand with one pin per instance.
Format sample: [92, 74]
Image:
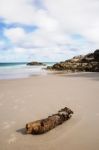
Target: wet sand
[24, 100]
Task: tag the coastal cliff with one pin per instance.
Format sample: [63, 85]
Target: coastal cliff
[81, 63]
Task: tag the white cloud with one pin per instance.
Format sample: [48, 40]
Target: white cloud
[56, 25]
[2, 44]
[73, 16]
[76, 16]
[15, 34]
[38, 38]
[17, 11]
[26, 12]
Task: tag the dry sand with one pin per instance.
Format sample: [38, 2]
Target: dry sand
[24, 100]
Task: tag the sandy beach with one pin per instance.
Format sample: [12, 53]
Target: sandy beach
[25, 100]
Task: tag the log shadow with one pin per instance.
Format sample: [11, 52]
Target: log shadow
[22, 131]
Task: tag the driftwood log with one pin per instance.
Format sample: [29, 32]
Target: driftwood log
[44, 125]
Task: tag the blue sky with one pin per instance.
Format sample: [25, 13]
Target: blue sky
[47, 30]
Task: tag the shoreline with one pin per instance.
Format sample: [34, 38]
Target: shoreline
[45, 72]
[36, 97]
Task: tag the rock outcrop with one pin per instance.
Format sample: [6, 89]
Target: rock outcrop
[45, 125]
[96, 54]
[35, 63]
[85, 63]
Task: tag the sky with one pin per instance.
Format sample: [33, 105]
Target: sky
[47, 30]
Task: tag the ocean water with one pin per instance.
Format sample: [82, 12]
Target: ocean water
[21, 70]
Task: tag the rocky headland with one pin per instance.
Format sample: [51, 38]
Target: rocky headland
[81, 63]
[35, 63]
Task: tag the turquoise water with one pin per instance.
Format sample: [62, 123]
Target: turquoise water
[13, 64]
[21, 70]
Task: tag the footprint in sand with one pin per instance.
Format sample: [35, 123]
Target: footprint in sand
[6, 125]
[12, 139]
